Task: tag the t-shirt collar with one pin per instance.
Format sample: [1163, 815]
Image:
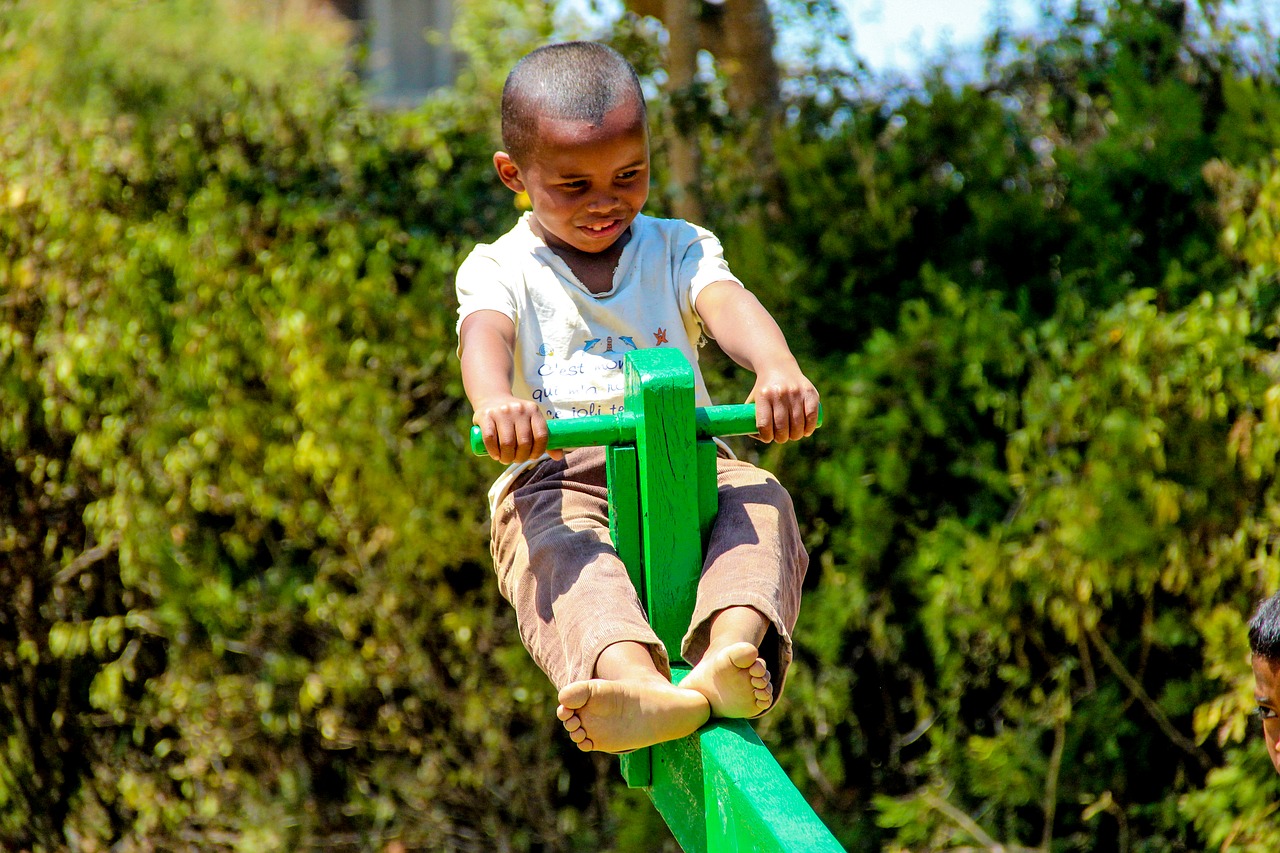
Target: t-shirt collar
[545, 253]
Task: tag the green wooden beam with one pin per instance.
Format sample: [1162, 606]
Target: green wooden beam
[751, 803]
[746, 803]
[720, 790]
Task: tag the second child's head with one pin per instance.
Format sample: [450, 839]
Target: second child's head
[1264, 644]
[575, 135]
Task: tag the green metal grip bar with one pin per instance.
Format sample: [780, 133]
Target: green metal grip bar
[596, 430]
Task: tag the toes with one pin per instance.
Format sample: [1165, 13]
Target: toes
[575, 695]
[572, 698]
[758, 669]
[578, 734]
[744, 655]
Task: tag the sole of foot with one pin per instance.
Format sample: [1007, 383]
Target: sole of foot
[619, 716]
[735, 681]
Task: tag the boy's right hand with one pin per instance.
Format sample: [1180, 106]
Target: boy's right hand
[514, 430]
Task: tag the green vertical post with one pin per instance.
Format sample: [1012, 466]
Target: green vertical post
[660, 402]
[623, 476]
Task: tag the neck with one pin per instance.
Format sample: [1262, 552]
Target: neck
[574, 255]
[594, 270]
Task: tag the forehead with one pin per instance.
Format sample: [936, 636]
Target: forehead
[622, 132]
[1266, 674]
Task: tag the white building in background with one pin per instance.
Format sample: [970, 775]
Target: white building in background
[406, 43]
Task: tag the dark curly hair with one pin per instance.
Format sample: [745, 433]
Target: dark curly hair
[1264, 629]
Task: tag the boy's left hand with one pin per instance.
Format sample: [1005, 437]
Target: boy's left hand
[786, 405]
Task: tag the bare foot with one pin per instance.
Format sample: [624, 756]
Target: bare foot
[735, 681]
[619, 716]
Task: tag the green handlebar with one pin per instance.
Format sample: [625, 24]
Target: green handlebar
[595, 430]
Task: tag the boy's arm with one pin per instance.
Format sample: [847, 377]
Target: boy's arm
[514, 429]
[786, 401]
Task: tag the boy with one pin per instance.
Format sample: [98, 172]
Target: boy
[546, 315]
[1264, 644]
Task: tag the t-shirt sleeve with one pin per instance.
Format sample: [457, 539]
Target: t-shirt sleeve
[702, 263]
[482, 286]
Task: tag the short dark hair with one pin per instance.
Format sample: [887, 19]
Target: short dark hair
[578, 80]
[1264, 629]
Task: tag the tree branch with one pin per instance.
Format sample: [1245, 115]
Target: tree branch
[1135, 687]
[86, 559]
[1051, 781]
[969, 825]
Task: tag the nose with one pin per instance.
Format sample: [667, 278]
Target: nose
[602, 202]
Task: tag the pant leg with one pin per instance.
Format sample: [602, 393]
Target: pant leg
[755, 558]
[557, 566]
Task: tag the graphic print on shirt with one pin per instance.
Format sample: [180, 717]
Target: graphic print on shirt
[588, 382]
[609, 351]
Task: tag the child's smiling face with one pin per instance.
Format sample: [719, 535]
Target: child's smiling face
[1266, 676]
[586, 182]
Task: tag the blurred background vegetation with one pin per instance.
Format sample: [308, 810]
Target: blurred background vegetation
[246, 590]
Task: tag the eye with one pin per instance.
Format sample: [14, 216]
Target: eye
[1265, 713]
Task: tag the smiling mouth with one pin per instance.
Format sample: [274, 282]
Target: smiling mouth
[602, 228]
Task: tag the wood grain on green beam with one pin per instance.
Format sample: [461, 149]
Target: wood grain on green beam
[660, 400]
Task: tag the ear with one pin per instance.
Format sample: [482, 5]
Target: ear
[508, 171]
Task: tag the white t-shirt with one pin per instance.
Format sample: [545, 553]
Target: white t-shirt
[570, 342]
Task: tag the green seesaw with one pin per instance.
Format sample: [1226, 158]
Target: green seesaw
[719, 789]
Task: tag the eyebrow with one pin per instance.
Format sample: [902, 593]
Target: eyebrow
[573, 176]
